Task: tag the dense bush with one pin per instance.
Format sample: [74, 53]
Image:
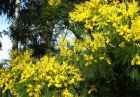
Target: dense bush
[109, 53]
[104, 63]
[42, 78]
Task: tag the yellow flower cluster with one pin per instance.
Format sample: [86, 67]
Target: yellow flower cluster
[54, 2]
[81, 46]
[58, 75]
[35, 75]
[63, 48]
[98, 15]
[136, 60]
[6, 81]
[111, 23]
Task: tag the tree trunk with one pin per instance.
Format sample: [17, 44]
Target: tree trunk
[48, 35]
[14, 24]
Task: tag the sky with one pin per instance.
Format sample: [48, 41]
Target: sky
[6, 42]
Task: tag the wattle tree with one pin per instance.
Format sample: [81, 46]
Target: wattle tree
[101, 61]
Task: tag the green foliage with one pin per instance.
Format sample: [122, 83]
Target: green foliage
[28, 77]
[113, 51]
[105, 52]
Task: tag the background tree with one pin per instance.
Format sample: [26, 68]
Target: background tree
[33, 22]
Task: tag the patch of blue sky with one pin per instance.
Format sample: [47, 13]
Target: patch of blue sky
[5, 40]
